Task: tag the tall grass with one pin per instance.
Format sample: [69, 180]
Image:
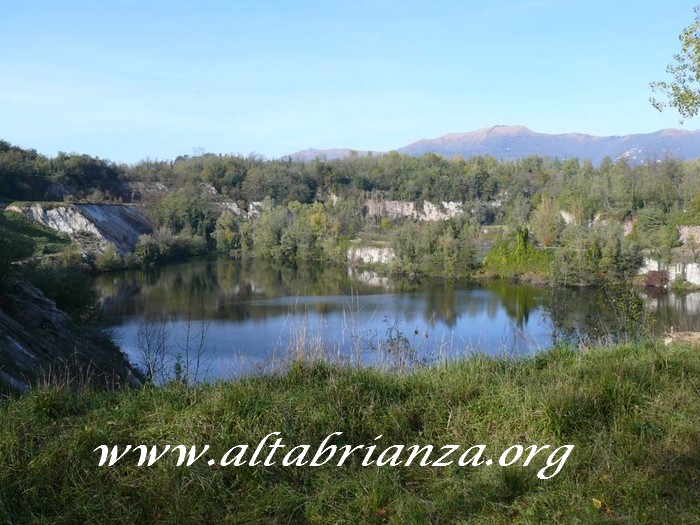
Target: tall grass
[631, 411]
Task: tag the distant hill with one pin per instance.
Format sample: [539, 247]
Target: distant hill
[513, 142]
[325, 154]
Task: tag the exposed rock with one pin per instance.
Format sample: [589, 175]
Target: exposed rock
[370, 254]
[686, 233]
[682, 337]
[118, 224]
[689, 272]
[209, 188]
[233, 207]
[431, 212]
[136, 191]
[567, 217]
[37, 340]
[392, 209]
[255, 208]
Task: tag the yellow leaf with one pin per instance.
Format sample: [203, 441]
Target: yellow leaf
[597, 503]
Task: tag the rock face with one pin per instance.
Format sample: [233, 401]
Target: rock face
[689, 232]
[370, 254]
[409, 210]
[689, 272]
[38, 340]
[118, 224]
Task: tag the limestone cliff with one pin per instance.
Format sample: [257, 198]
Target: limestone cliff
[93, 226]
[409, 210]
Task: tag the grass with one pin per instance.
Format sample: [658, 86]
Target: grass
[44, 204]
[632, 412]
[22, 230]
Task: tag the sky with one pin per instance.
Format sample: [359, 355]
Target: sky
[128, 80]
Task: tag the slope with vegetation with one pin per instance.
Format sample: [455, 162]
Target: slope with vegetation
[300, 212]
[49, 312]
[630, 411]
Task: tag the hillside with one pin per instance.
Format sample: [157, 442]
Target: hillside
[49, 320]
[93, 226]
[514, 142]
[630, 413]
[326, 154]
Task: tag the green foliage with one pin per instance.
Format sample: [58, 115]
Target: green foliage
[185, 209]
[623, 313]
[84, 174]
[109, 259]
[163, 246]
[14, 249]
[441, 249]
[656, 232]
[147, 251]
[683, 92]
[591, 256]
[70, 287]
[546, 223]
[227, 233]
[298, 233]
[21, 238]
[530, 192]
[27, 175]
[514, 256]
[482, 182]
[630, 411]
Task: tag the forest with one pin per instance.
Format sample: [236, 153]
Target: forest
[561, 221]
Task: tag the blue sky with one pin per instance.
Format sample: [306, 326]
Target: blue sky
[126, 80]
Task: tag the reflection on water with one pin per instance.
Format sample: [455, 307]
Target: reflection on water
[254, 312]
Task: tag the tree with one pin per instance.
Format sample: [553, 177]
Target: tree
[545, 222]
[684, 91]
[227, 233]
[14, 249]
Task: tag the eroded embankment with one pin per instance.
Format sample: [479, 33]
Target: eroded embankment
[93, 226]
[39, 342]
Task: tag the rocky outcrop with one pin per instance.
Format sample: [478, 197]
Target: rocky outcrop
[568, 218]
[692, 338]
[370, 254]
[254, 208]
[93, 226]
[686, 233]
[136, 191]
[409, 210]
[689, 272]
[38, 341]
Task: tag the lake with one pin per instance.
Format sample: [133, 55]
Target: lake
[243, 318]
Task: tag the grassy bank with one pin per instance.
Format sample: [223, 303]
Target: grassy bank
[632, 412]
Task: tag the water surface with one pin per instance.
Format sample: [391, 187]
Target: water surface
[252, 315]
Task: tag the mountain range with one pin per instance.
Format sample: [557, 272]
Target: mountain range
[513, 142]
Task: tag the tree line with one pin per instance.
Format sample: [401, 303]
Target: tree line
[311, 210]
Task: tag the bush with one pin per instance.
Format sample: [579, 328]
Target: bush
[163, 247]
[14, 249]
[515, 256]
[71, 289]
[440, 249]
[109, 259]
